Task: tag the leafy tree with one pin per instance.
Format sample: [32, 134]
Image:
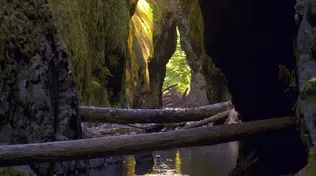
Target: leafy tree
[178, 71]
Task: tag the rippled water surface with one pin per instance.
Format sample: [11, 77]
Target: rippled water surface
[215, 160]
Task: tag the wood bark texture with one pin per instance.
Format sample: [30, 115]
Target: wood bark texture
[128, 116]
[215, 118]
[11, 155]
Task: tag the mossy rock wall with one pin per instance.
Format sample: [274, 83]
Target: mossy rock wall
[207, 82]
[152, 42]
[165, 41]
[95, 34]
[140, 44]
[38, 101]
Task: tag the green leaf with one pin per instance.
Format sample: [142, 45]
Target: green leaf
[178, 71]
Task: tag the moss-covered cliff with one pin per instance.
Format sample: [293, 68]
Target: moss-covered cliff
[95, 34]
[152, 42]
[207, 82]
[140, 44]
[50, 49]
[38, 99]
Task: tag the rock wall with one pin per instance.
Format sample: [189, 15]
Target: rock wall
[249, 40]
[49, 51]
[140, 44]
[95, 34]
[208, 85]
[38, 99]
[306, 66]
[152, 42]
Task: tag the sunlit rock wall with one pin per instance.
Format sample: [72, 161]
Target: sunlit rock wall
[152, 41]
[141, 49]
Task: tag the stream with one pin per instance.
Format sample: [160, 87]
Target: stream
[216, 160]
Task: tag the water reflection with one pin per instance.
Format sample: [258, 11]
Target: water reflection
[215, 160]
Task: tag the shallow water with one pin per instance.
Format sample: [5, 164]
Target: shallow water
[215, 160]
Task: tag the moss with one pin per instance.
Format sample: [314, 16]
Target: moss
[92, 31]
[140, 46]
[310, 169]
[13, 171]
[309, 87]
[196, 23]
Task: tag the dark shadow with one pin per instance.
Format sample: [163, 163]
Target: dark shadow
[144, 163]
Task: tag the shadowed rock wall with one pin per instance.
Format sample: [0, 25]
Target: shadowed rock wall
[249, 40]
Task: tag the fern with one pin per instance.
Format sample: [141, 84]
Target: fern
[95, 83]
[309, 87]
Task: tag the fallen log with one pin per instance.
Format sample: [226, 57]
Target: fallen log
[215, 118]
[119, 131]
[11, 155]
[129, 116]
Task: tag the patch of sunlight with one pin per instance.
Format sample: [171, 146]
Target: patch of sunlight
[178, 71]
[144, 6]
[140, 41]
[143, 24]
[130, 165]
[178, 162]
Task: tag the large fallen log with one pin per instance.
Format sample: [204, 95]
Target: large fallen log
[212, 119]
[122, 145]
[129, 116]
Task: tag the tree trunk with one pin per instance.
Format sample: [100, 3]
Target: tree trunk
[128, 116]
[122, 145]
[215, 118]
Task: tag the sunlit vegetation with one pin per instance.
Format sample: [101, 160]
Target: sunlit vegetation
[178, 71]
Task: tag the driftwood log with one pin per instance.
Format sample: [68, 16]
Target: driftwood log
[129, 116]
[215, 118]
[11, 155]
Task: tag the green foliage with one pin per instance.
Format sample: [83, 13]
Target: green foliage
[178, 71]
[309, 87]
[288, 76]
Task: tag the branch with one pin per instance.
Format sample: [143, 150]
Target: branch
[215, 118]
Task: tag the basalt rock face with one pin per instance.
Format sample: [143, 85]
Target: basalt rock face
[249, 40]
[48, 50]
